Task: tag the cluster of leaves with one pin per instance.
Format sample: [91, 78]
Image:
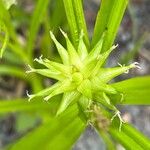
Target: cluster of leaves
[87, 96]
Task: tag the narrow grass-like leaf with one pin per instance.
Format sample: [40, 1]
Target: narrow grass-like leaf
[129, 137]
[37, 17]
[77, 126]
[54, 134]
[135, 91]
[80, 19]
[136, 135]
[108, 141]
[6, 39]
[16, 105]
[55, 23]
[108, 19]
[126, 141]
[14, 71]
[72, 21]
[6, 19]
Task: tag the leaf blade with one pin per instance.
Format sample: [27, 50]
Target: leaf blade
[108, 19]
[135, 91]
[52, 132]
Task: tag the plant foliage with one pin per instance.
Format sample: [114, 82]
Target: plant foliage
[81, 94]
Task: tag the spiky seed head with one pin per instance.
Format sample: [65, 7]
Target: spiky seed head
[81, 75]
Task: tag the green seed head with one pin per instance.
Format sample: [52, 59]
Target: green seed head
[81, 76]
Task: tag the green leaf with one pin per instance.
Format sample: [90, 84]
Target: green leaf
[80, 19]
[108, 19]
[135, 91]
[107, 139]
[15, 105]
[54, 133]
[125, 140]
[6, 19]
[3, 28]
[72, 21]
[13, 71]
[140, 138]
[37, 17]
[130, 138]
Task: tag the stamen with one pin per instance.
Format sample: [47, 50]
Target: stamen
[117, 114]
[115, 46]
[29, 96]
[64, 34]
[122, 97]
[121, 64]
[127, 71]
[136, 65]
[39, 60]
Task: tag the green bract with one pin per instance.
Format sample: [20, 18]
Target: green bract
[81, 76]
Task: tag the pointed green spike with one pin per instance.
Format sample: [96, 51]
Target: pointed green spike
[44, 92]
[61, 50]
[67, 99]
[74, 57]
[105, 55]
[41, 61]
[85, 88]
[84, 103]
[88, 68]
[59, 67]
[101, 86]
[108, 74]
[48, 73]
[65, 86]
[97, 66]
[82, 50]
[104, 100]
[102, 58]
[98, 47]
[95, 51]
